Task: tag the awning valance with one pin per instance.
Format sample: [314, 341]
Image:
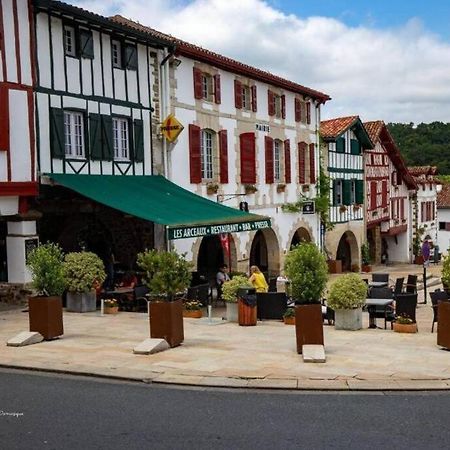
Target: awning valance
[156, 199]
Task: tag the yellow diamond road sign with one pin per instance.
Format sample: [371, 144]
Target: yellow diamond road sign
[171, 128]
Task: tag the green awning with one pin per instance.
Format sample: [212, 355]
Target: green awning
[156, 199]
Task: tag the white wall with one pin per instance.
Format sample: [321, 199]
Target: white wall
[443, 215]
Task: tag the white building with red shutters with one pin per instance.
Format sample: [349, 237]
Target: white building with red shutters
[250, 139]
[17, 140]
[390, 189]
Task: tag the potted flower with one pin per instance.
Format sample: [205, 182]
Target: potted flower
[289, 316]
[365, 258]
[192, 309]
[307, 270]
[305, 187]
[404, 324]
[356, 207]
[166, 274]
[84, 271]
[250, 188]
[347, 297]
[342, 209]
[212, 188]
[281, 187]
[45, 309]
[230, 295]
[110, 306]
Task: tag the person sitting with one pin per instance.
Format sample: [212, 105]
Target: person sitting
[258, 280]
[129, 280]
[126, 300]
[221, 277]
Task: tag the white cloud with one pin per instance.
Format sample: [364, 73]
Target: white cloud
[400, 74]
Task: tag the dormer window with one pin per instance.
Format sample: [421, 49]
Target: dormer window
[69, 41]
[116, 54]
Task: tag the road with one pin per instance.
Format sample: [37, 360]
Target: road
[44, 411]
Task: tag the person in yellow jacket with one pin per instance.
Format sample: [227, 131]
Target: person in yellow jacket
[257, 279]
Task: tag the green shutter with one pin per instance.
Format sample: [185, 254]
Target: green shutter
[107, 138]
[340, 145]
[57, 132]
[138, 140]
[130, 55]
[335, 202]
[355, 147]
[359, 191]
[347, 192]
[95, 136]
[86, 44]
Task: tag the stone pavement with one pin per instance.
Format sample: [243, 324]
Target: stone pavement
[228, 355]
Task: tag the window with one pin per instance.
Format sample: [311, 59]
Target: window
[121, 139]
[338, 192]
[207, 87]
[278, 106]
[206, 153]
[73, 134]
[277, 177]
[69, 41]
[116, 54]
[246, 98]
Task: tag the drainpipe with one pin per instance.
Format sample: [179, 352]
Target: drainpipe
[320, 238]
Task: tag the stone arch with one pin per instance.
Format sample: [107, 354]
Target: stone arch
[348, 251]
[301, 235]
[265, 252]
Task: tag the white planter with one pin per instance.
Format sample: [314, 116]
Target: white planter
[81, 302]
[232, 312]
[348, 319]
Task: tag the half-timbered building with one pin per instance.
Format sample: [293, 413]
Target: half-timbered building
[390, 189]
[344, 141]
[443, 218]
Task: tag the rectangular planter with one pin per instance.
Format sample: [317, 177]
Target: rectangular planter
[81, 301]
[308, 325]
[232, 312]
[46, 316]
[443, 328]
[334, 266]
[166, 321]
[348, 319]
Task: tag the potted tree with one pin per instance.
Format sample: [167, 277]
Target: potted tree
[365, 258]
[307, 270]
[45, 309]
[230, 291]
[83, 271]
[347, 297]
[166, 274]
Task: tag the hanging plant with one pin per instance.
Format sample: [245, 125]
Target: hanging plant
[250, 188]
[342, 209]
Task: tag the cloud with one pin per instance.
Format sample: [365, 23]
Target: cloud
[400, 74]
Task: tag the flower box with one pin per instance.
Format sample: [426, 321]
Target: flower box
[111, 310]
[281, 188]
[289, 320]
[405, 327]
[250, 189]
[192, 314]
[212, 188]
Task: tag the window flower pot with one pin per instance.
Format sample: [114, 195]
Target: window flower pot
[166, 321]
[193, 314]
[405, 327]
[212, 189]
[342, 209]
[250, 189]
[281, 188]
[308, 325]
[305, 188]
[46, 316]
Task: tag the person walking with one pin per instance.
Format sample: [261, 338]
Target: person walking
[258, 280]
[221, 277]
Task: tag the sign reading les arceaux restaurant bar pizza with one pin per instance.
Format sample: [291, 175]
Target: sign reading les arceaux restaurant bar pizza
[207, 230]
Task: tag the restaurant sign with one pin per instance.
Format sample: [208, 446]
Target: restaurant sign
[171, 128]
[208, 230]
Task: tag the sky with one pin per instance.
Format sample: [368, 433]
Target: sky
[379, 59]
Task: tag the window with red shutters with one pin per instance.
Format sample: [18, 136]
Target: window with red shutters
[302, 148]
[373, 195]
[248, 158]
[308, 112]
[312, 163]
[384, 194]
[198, 92]
[283, 106]
[271, 102]
[268, 144]
[4, 121]
[223, 155]
[287, 161]
[237, 94]
[254, 99]
[217, 94]
[298, 110]
[195, 161]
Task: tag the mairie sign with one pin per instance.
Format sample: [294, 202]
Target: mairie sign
[171, 128]
[207, 230]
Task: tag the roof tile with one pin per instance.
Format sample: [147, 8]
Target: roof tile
[333, 128]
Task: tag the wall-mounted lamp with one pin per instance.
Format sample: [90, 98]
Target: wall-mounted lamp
[175, 61]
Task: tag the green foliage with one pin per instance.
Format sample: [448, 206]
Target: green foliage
[290, 312]
[417, 241]
[231, 287]
[83, 270]
[192, 305]
[365, 254]
[446, 271]
[424, 144]
[47, 272]
[348, 291]
[166, 273]
[307, 270]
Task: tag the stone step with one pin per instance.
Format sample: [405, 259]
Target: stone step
[25, 338]
[313, 353]
[150, 346]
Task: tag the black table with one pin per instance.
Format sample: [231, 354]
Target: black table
[371, 304]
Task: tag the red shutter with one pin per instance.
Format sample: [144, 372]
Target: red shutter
[223, 152]
[271, 102]
[312, 163]
[268, 141]
[195, 161]
[308, 112]
[298, 110]
[384, 199]
[422, 212]
[217, 96]
[254, 99]
[4, 121]
[287, 161]
[197, 83]
[248, 162]
[402, 208]
[373, 195]
[237, 94]
[301, 162]
[283, 107]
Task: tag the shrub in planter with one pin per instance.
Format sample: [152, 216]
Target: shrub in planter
[83, 270]
[45, 309]
[347, 297]
[229, 295]
[445, 276]
[289, 316]
[307, 270]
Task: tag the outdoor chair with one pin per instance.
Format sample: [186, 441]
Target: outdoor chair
[200, 293]
[327, 313]
[405, 305]
[141, 301]
[398, 287]
[436, 297]
[380, 277]
[271, 305]
[383, 312]
[411, 284]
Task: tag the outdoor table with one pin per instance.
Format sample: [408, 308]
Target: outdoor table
[378, 284]
[371, 304]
